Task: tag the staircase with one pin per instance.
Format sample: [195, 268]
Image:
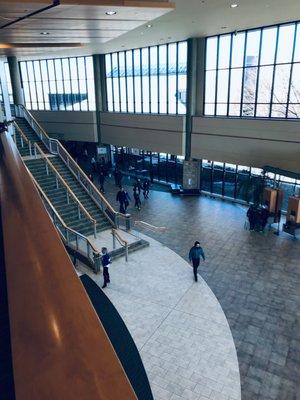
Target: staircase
[66, 206]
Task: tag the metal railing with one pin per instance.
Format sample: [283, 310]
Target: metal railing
[75, 240]
[23, 138]
[117, 219]
[123, 242]
[69, 192]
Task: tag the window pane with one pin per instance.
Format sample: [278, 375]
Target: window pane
[210, 86]
[108, 82]
[252, 50]
[172, 90]
[236, 85]
[265, 84]
[297, 48]
[122, 81]
[153, 80]
[211, 53]
[224, 52]
[129, 73]
[295, 85]
[162, 79]
[115, 74]
[285, 43]
[281, 83]
[137, 80]
[222, 92]
[268, 46]
[182, 65]
[238, 45]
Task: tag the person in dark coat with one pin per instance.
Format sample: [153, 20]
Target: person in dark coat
[251, 217]
[101, 181]
[118, 177]
[138, 186]
[196, 252]
[264, 217]
[146, 187]
[137, 200]
[105, 259]
[123, 198]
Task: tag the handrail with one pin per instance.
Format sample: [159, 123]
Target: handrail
[48, 142]
[22, 137]
[65, 184]
[60, 349]
[95, 256]
[123, 242]
[151, 227]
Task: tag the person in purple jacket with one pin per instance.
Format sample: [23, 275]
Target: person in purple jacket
[105, 264]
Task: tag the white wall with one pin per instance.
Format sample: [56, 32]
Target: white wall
[248, 142]
[161, 133]
[69, 125]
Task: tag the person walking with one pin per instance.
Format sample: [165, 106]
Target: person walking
[105, 264]
[137, 200]
[123, 198]
[251, 217]
[196, 252]
[137, 186]
[146, 187]
[118, 177]
[93, 162]
[101, 181]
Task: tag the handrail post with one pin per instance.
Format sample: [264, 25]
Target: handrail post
[95, 229]
[67, 236]
[77, 242]
[97, 262]
[114, 239]
[57, 186]
[68, 197]
[22, 141]
[35, 153]
[47, 168]
[128, 222]
[30, 149]
[126, 252]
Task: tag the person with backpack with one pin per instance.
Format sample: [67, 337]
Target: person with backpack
[105, 259]
[196, 252]
[137, 200]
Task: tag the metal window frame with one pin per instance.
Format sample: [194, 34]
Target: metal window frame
[177, 78]
[149, 80]
[297, 26]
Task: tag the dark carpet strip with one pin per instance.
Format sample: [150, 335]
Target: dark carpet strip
[120, 338]
[7, 390]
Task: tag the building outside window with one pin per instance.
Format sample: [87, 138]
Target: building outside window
[254, 73]
[147, 80]
[59, 84]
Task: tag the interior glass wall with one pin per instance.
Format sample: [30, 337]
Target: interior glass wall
[254, 73]
[8, 82]
[59, 84]
[147, 80]
[148, 164]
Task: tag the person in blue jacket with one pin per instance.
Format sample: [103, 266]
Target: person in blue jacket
[105, 264]
[195, 254]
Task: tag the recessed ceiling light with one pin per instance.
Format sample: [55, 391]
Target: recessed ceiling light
[234, 5]
[44, 33]
[149, 26]
[111, 12]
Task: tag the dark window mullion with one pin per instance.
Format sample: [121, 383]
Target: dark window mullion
[274, 71]
[217, 76]
[258, 70]
[149, 80]
[167, 77]
[297, 26]
[158, 91]
[71, 86]
[119, 82]
[126, 82]
[229, 75]
[133, 82]
[112, 83]
[28, 83]
[78, 83]
[63, 84]
[243, 77]
[141, 82]
[177, 94]
[86, 85]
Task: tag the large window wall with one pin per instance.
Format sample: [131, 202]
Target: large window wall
[59, 84]
[254, 73]
[8, 82]
[147, 80]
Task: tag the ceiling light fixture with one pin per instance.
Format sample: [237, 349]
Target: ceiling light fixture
[149, 26]
[44, 33]
[111, 12]
[234, 5]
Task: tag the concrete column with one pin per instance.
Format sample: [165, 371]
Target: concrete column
[7, 112]
[195, 87]
[100, 89]
[15, 80]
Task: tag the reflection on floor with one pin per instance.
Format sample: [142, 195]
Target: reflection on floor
[178, 326]
[255, 277]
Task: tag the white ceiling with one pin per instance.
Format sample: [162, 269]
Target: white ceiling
[191, 18]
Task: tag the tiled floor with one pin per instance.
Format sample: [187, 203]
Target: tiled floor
[178, 326]
[255, 277]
